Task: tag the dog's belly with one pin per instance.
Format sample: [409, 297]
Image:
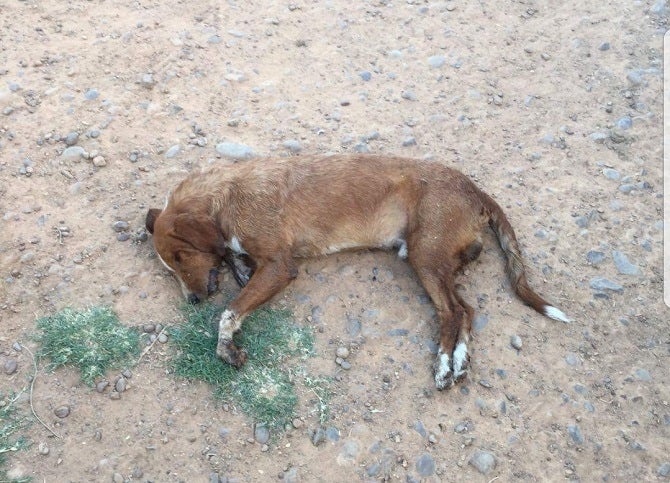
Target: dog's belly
[385, 228]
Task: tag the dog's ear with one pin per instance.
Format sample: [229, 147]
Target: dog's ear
[152, 214]
[201, 232]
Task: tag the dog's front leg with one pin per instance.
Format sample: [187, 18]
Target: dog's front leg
[268, 279]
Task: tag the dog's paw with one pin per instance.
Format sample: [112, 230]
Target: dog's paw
[230, 353]
[444, 376]
[461, 361]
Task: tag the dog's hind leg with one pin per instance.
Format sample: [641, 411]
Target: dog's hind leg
[437, 280]
[436, 272]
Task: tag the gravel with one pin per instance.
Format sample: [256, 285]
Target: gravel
[623, 265]
[604, 284]
[235, 151]
[483, 461]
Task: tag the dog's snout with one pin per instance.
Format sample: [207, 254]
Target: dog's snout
[193, 299]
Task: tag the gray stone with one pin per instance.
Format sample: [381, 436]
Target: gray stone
[483, 461]
[425, 465]
[261, 434]
[436, 61]
[604, 46]
[595, 257]
[10, 366]
[91, 94]
[74, 153]
[408, 95]
[353, 326]
[62, 411]
[120, 226]
[624, 123]
[121, 384]
[623, 265]
[365, 75]
[173, 151]
[643, 375]
[71, 138]
[235, 150]
[398, 332]
[292, 145]
[409, 141]
[572, 359]
[611, 173]
[318, 437]
[575, 433]
[516, 342]
[664, 470]
[332, 433]
[342, 352]
[599, 137]
[480, 322]
[603, 284]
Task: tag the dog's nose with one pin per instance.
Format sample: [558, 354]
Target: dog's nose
[193, 299]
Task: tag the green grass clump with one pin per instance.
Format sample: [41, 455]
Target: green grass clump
[264, 387]
[10, 423]
[93, 340]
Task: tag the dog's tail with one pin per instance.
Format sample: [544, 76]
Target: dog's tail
[516, 271]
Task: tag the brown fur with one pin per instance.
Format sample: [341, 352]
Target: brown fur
[280, 210]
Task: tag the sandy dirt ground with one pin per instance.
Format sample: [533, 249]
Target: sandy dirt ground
[555, 108]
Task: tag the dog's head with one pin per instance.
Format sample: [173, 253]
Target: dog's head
[191, 246]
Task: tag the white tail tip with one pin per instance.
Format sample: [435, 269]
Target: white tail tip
[556, 314]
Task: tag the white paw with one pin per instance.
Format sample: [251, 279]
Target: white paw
[444, 377]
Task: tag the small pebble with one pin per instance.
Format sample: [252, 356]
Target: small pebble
[120, 226]
[436, 61]
[99, 161]
[10, 366]
[71, 138]
[365, 75]
[516, 342]
[162, 338]
[173, 151]
[595, 257]
[603, 284]
[43, 448]
[101, 386]
[342, 352]
[62, 411]
[234, 150]
[292, 145]
[611, 173]
[483, 461]
[297, 423]
[425, 465]
[120, 385]
[261, 434]
[576, 434]
[623, 265]
[318, 437]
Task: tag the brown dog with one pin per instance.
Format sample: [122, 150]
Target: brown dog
[274, 211]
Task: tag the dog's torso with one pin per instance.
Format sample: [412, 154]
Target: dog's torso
[316, 206]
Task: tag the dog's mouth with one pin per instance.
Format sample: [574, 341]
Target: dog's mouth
[212, 281]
